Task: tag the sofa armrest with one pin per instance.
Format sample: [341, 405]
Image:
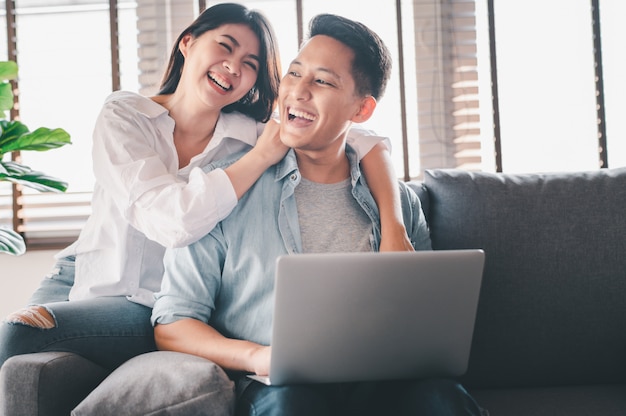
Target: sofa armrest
[46, 383]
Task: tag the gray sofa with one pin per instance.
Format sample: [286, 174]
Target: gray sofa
[550, 335]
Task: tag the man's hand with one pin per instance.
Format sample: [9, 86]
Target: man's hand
[261, 360]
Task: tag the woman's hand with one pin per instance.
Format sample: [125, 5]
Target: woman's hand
[269, 145]
[268, 151]
[395, 239]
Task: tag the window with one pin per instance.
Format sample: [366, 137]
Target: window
[539, 74]
[65, 58]
[547, 86]
[437, 109]
[65, 72]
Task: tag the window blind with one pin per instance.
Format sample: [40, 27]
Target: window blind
[158, 25]
[447, 83]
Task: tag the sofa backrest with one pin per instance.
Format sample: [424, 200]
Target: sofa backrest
[552, 309]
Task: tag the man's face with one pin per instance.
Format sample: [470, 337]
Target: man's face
[317, 96]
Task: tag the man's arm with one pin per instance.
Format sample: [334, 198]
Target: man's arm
[194, 337]
[185, 304]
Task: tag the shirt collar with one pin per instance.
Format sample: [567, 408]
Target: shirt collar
[289, 165]
[229, 125]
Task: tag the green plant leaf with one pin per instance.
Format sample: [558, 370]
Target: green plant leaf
[8, 70]
[39, 140]
[11, 242]
[6, 96]
[15, 136]
[21, 174]
[10, 168]
[10, 131]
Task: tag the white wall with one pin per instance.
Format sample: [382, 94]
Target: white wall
[20, 276]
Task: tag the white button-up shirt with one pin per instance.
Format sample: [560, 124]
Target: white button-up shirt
[142, 201]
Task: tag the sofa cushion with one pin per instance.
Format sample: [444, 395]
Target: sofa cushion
[162, 383]
[553, 298]
[554, 401]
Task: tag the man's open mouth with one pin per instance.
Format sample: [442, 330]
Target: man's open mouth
[293, 114]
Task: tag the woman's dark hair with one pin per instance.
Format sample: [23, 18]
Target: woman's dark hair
[259, 102]
[371, 67]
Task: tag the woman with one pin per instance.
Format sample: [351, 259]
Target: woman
[151, 192]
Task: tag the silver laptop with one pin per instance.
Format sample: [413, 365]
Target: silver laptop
[342, 317]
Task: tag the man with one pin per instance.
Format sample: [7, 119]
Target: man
[216, 299]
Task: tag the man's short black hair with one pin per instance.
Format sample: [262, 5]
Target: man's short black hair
[371, 67]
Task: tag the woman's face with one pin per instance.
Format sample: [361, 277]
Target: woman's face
[221, 65]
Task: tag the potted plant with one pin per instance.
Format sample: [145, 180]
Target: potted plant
[15, 136]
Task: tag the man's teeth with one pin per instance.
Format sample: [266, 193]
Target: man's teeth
[222, 83]
[301, 114]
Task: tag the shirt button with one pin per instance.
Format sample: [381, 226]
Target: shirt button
[293, 177]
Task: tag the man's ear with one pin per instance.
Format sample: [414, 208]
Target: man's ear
[368, 104]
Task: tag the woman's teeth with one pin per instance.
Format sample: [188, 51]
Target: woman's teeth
[220, 82]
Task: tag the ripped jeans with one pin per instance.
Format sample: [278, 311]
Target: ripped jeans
[107, 330]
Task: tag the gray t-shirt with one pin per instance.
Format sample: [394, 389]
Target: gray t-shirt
[331, 220]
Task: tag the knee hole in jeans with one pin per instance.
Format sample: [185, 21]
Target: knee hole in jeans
[33, 316]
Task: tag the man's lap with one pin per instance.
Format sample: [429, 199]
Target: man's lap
[441, 397]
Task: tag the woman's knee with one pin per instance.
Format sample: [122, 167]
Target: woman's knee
[35, 316]
[18, 337]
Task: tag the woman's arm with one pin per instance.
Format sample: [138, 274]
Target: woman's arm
[382, 181]
[267, 151]
[195, 337]
[136, 166]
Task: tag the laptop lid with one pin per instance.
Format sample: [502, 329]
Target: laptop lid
[373, 316]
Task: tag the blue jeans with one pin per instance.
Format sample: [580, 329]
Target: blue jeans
[107, 330]
[56, 286]
[436, 397]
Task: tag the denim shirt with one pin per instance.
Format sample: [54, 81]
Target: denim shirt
[226, 279]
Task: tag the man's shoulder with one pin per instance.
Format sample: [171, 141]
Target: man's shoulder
[409, 193]
[268, 175]
[408, 188]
